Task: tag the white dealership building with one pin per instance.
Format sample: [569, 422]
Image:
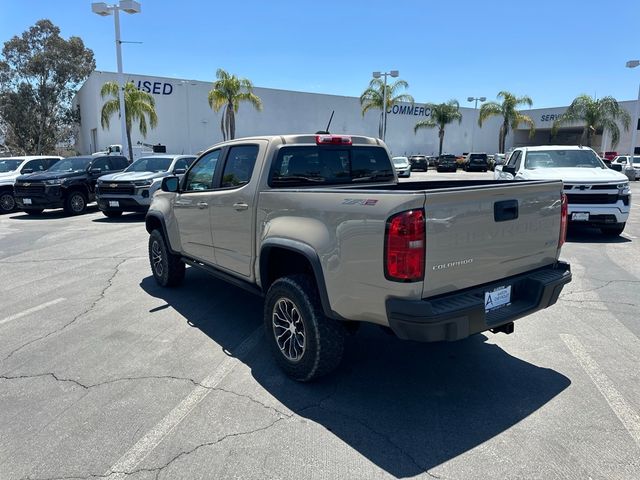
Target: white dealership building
[186, 123]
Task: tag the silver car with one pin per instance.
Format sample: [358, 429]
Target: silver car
[402, 166]
[132, 189]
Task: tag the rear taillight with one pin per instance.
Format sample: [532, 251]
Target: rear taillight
[405, 247]
[564, 216]
[333, 140]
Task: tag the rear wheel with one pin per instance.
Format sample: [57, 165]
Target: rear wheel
[112, 213]
[7, 202]
[305, 343]
[168, 269]
[75, 203]
[614, 230]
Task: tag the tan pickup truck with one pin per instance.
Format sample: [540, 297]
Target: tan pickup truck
[320, 226]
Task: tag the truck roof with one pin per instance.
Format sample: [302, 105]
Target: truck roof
[308, 138]
[555, 147]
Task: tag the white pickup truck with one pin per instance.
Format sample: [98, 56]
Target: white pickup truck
[598, 196]
[12, 167]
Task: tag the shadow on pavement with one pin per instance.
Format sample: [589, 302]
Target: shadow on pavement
[125, 218]
[405, 406]
[578, 234]
[50, 214]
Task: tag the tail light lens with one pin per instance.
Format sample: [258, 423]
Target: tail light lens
[333, 140]
[564, 217]
[405, 246]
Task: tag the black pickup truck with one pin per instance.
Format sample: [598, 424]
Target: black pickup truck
[69, 184]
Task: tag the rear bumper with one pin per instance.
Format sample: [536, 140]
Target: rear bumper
[460, 314]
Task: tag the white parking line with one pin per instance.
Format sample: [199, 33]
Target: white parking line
[153, 437]
[625, 234]
[35, 309]
[625, 412]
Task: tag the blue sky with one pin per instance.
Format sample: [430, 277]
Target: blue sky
[550, 50]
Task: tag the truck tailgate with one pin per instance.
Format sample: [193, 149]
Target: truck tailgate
[477, 235]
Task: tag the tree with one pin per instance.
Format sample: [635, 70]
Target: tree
[373, 98]
[39, 74]
[227, 93]
[138, 106]
[595, 115]
[511, 117]
[442, 114]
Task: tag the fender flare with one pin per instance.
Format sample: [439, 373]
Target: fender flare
[163, 226]
[312, 257]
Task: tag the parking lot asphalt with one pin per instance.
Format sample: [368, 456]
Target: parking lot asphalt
[104, 374]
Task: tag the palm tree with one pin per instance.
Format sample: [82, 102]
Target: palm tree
[442, 114]
[373, 98]
[595, 115]
[138, 106]
[510, 115]
[227, 93]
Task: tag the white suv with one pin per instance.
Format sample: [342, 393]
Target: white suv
[12, 167]
[597, 195]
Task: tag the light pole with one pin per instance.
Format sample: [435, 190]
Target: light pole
[103, 9]
[394, 74]
[634, 124]
[475, 107]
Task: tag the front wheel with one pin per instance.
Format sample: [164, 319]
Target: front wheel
[305, 343]
[75, 203]
[614, 230]
[168, 269]
[7, 202]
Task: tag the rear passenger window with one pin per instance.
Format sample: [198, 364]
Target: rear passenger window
[119, 163]
[36, 165]
[239, 165]
[298, 166]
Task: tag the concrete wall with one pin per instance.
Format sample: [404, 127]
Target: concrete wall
[186, 124]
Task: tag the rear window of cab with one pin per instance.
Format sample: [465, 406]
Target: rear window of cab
[323, 165]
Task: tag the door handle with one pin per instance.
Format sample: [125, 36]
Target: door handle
[202, 204]
[240, 206]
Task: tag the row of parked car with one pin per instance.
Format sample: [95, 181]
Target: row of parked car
[37, 183]
[479, 162]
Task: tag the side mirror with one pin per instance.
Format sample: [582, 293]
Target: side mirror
[26, 171]
[180, 171]
[170, 184]
[511, 170]
[616, 166]
[96, 171]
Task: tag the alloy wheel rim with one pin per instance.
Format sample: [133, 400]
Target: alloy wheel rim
[77, 203]
[288, 329]
[7, 203]
[156, 258]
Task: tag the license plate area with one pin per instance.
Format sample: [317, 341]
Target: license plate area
[580, 216]
[497, 298]
[26, 201]
[114, 203]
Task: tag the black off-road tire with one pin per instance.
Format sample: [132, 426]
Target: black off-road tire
[75, 203]
[323, 337]
[167, 268]
[614, 230]
[112, 213]
[33, 211]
